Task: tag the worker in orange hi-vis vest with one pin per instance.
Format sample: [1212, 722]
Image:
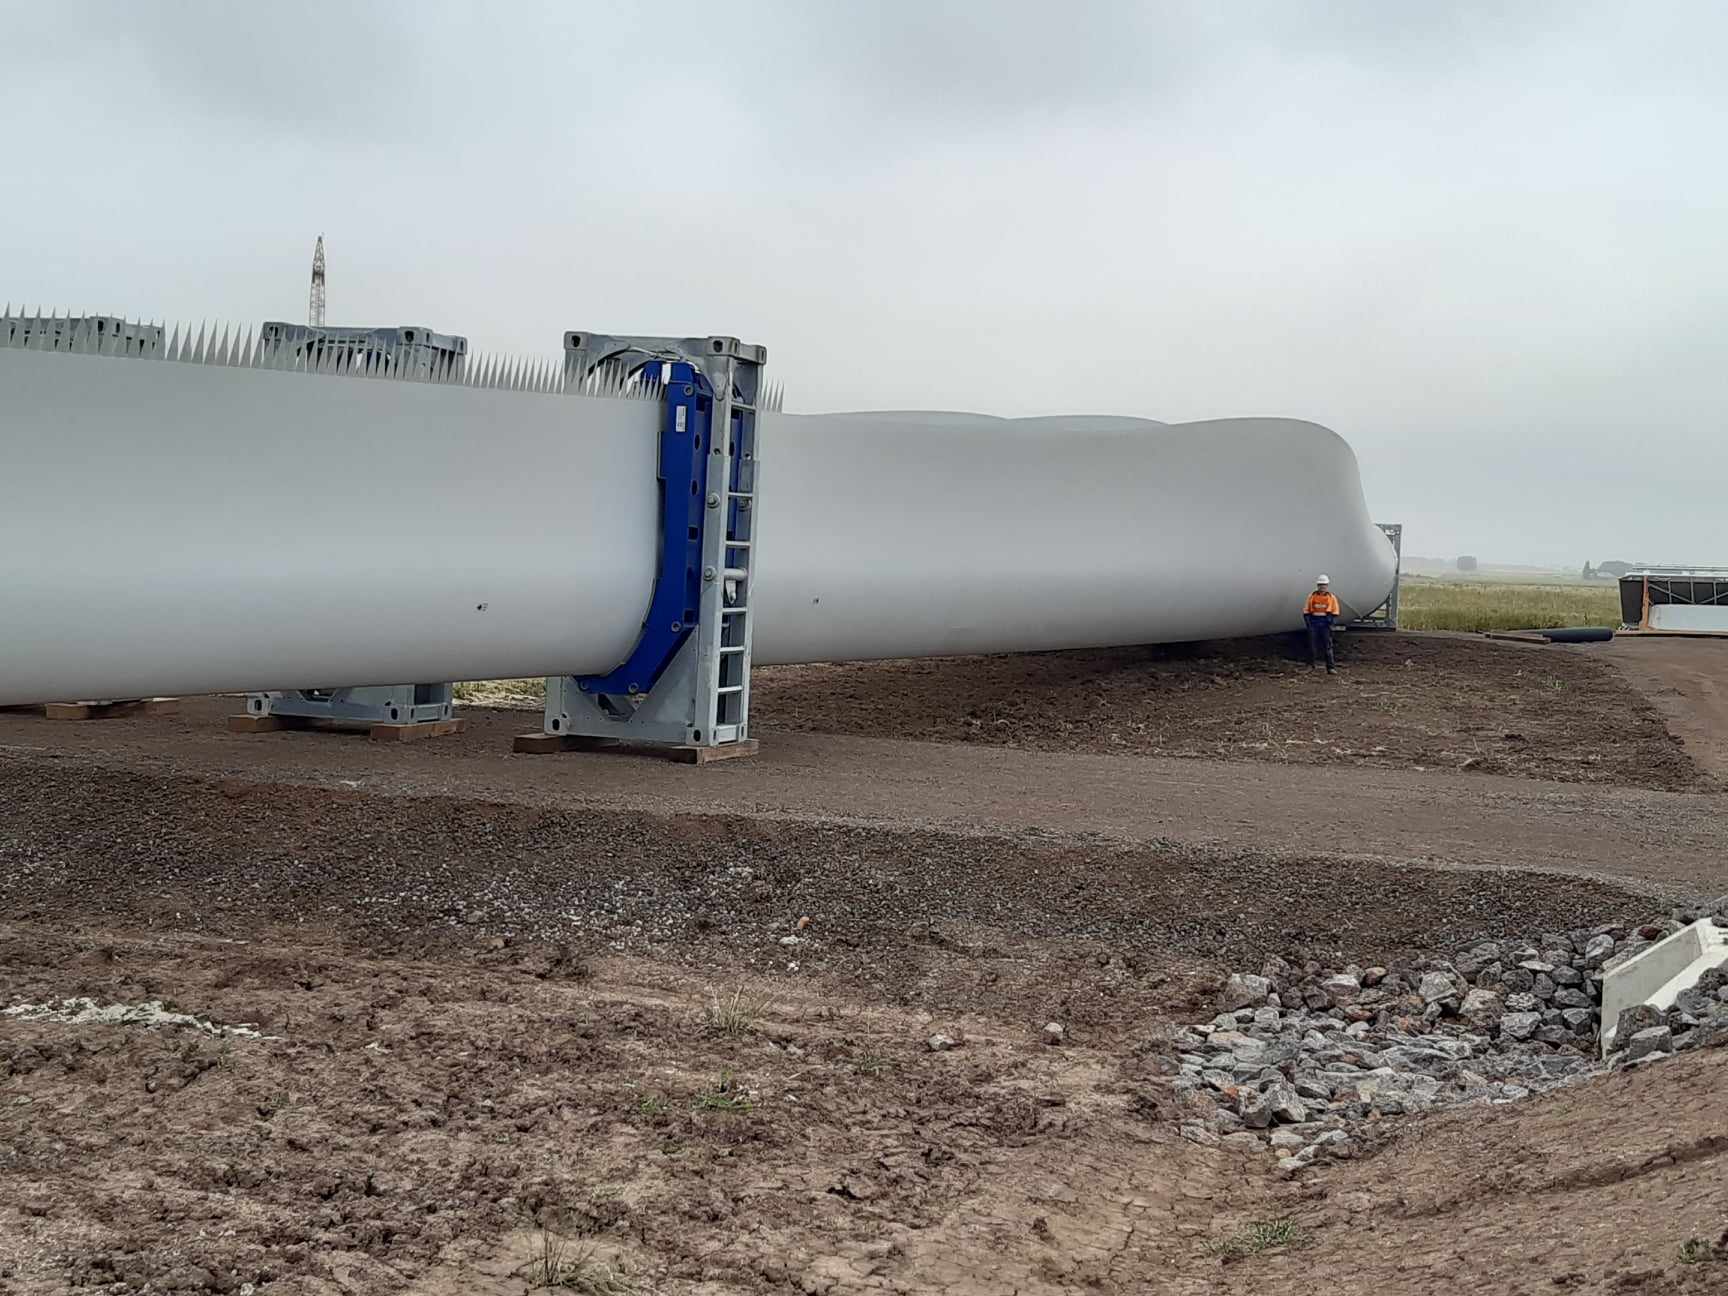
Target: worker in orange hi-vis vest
[1319, 613]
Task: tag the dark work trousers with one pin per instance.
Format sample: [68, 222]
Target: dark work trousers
[1320, 641]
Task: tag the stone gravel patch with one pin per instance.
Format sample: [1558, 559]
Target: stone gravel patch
[1306, 1057]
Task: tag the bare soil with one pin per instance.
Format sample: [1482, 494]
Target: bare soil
[1686, 680]
[1360, 814]
[667, 1027]
[427, 1121]
[1433, 701]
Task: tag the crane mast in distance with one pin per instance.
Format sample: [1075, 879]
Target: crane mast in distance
[315, 311]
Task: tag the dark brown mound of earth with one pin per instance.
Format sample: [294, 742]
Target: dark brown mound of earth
[1443, 702]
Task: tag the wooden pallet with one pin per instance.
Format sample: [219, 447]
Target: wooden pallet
[99, 710]
[540, 744]
[251, 724]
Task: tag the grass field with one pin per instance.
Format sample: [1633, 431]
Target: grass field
[507, 692]
[1428, 604]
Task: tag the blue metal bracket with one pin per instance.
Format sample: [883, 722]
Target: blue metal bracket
[688, 409]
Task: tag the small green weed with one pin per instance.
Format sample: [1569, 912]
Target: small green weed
[1264, 1235]
[557, 1263]
[735, 1014]
[723, 1097]
[1697, 1251]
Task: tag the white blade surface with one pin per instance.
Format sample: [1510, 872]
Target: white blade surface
[198, 527]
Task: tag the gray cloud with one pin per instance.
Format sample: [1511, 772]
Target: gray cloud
[1482, 240]
[311, 67]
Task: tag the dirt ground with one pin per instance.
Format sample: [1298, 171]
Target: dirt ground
[1399, 701]
[497, 1013]
[418, 1124]
[1687, 681]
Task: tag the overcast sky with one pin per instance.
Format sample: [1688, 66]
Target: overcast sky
[1483, 241]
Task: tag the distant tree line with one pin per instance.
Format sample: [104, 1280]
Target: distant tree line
[1592, 571]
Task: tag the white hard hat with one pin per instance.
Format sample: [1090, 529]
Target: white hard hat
[1322, 579]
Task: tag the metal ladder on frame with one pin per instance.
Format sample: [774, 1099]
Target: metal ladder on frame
[729, 720]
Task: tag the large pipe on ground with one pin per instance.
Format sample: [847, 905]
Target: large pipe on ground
[179, 528]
